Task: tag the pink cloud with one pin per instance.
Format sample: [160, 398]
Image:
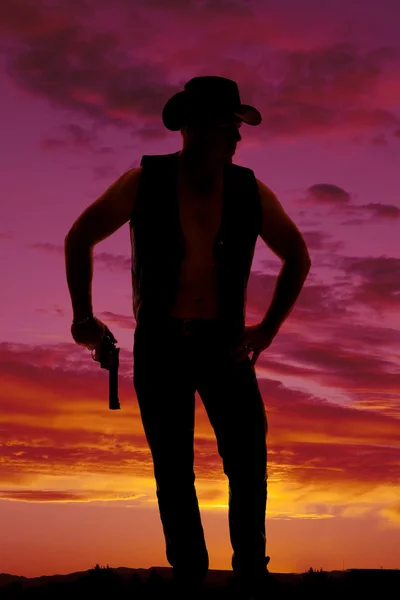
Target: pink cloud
[52, 496]
[96, 74]
[310, 438]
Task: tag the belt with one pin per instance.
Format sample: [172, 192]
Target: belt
[191, 326]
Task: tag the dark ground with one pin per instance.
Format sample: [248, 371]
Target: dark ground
[123, 583]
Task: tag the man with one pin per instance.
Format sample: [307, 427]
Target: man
[194, 220]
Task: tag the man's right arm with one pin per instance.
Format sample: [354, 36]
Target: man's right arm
[108, 213]
[98, 221]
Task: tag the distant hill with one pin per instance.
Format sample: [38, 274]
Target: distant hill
[215, 577]
[123, 572]
[346, 583]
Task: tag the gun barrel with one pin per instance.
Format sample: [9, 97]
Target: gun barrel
[108, 357]
[113, 381]
[113, 390]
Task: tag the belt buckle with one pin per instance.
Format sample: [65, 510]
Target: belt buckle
[187, 330]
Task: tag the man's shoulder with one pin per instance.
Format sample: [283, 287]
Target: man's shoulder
[241, 169]
[133, 172]
[158, 158]
[130, 179]
[263, 188]
[242, 176]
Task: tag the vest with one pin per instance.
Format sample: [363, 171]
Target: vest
[157, 241]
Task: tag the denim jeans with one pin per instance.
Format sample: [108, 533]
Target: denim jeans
[169, 367]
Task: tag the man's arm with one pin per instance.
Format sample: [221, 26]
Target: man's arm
[98, 221]
[282, 236]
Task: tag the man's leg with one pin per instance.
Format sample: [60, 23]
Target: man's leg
[236, 411]
[166, 397]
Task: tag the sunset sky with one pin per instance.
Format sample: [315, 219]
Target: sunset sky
[82, 85]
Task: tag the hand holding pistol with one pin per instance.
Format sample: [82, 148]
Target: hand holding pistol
[91, 333]
[108, 356]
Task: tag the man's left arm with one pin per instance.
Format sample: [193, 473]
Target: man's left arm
[282, 236]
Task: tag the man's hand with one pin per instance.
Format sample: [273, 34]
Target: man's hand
[255, 338]
[90, 334]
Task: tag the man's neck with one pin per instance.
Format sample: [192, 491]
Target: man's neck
[197, 169]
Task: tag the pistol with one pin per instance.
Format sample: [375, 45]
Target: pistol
[108, 356]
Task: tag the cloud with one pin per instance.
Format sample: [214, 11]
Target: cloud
[392, 513]
[379, 286]
[54, 421]
[322, 340]
[7, 235]
[22, 20]
[382, 211]
[61, 496]
[79, 72]
[123, 75]
[111, 262]
[76, 136]
[105, 172]
[342, 465]
[326, 193]
[341, 204]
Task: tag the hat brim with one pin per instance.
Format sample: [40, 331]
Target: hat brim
[173, 109]
[249, 115]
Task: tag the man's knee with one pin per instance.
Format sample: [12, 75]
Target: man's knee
[171, 476]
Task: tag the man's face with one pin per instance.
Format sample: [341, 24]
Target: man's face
[217, 138]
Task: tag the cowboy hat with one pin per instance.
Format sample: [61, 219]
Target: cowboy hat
[208, 97]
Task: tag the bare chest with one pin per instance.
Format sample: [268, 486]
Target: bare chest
[200, 217]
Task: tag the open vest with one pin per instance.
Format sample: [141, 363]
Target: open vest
[157, 241]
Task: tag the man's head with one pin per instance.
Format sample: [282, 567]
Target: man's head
[211, 136]
[209, 112]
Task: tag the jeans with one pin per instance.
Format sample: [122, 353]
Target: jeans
[169, 367]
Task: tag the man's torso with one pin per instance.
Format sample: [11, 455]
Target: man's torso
[200, 219]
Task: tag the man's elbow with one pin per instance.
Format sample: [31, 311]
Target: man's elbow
[300, 256]
[305, 257]
[70, 239]
[74, 240]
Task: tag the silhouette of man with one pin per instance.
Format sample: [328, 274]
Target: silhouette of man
[194, 220]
